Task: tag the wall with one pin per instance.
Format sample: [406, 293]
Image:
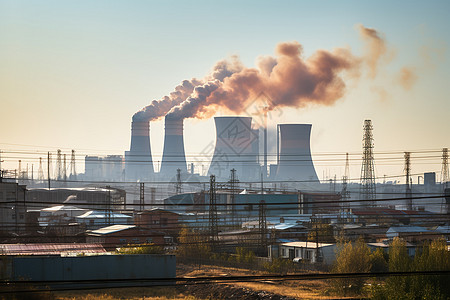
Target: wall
[103, 267]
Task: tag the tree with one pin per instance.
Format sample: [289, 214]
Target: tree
[351, 258]
[192, 244]
[433, 256]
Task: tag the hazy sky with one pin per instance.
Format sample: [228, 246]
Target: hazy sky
[72, 73]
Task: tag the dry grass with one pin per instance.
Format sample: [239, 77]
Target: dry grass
[144, 293]
[304, 289]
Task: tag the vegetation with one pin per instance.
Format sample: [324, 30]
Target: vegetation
[433, 256]
[141, 249]
[357, 258]
[192, 244]
[352, 258]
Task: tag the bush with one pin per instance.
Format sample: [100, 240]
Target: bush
[141, 249]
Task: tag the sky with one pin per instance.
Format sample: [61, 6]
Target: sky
[73, 73]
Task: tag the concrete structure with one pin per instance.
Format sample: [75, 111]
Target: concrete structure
[173, 154]
[138, 161]
[12, 206]
[95, 271]
[294, 153]
[237, 146]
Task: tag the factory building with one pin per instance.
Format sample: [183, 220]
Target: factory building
[88, 198]
[246, 206]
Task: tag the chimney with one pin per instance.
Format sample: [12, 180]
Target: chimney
[138, 161]
[294, 153]
[236, 147]
[173, 154]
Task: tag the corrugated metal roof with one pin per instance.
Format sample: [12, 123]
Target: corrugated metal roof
[102, 215]
[49, 249]
[306, 244]
[111, 229]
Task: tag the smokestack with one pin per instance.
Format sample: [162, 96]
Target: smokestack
[236, 147]
[294, 153]
[173, 154]
[138, 161]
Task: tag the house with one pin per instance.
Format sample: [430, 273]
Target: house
[411, 234]
[309, 252]
[115, 236]
[385, 246]
[158, 219]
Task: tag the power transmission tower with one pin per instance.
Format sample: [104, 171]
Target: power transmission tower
[64, 168]
[178, 184]
[213, 226]
[49, 168]
[73, 170]
[262, 226]
[141, 196]
[444, 173]
[108, 205]
[40, 171]
[58, 165]
[345, 194]
[233, 184]
[367, 189]
[408, 193]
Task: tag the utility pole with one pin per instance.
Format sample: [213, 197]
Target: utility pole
[233, 182]
[64, 168]
[108, 210]
[20, 170]
[407, 169]
[444, 174]
[345, 195]
[213, 226]
[141, 196]
[58, 165]
[262, 226]
[367, 189]
[73, 170]
[48, 169]
[40, 171]
[178, 184]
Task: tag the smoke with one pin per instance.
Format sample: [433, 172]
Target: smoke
[159, 108]
[407, 77]
[287, 78]
[374, 48]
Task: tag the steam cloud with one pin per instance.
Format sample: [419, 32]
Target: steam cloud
[159, 108]
[289, 79]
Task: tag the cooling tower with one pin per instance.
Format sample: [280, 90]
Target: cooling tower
[138, 161]
[173, 154]
[294, 153]
[236, 147]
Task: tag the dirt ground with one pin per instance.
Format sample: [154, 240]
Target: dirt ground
[304, 289]
[267, 290]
